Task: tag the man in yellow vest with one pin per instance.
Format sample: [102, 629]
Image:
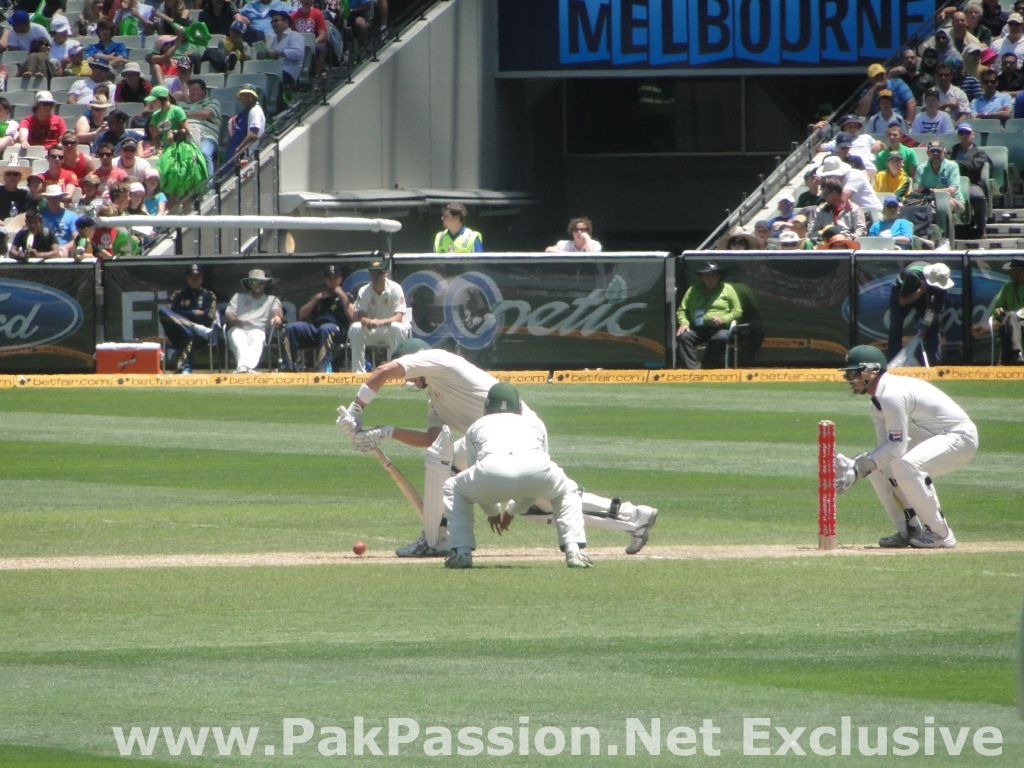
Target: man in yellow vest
[456, 237]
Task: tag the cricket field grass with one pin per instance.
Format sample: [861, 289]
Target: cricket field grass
[177, 588]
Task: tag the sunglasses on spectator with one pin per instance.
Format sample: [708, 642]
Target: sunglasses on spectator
[69, 143]
[104, 154]
[56, 157]
[580, 229]
[12, 173]
[128, 149]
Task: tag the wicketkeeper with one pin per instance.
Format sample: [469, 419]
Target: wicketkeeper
[922, 434]
[458, 391]
[508, 458]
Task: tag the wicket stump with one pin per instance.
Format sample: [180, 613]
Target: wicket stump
[826, 485]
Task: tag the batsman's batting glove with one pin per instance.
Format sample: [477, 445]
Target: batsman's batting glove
[846, 473]
[350, 419]
[366, 440]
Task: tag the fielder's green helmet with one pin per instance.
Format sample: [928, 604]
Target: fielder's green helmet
[865, 358]
[502, 398]
[408, 347]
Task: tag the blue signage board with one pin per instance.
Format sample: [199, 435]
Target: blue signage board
[701, 37]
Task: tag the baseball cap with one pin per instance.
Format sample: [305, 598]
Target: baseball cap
[45, 97]
[378, 266]
[128, 141]
[852, 119]
[964, 128]
[238, 26]
[875, 70]
[972, 48]
[158, 92]
[1013, 18]
[789, 236]
[137, 186]
[84, 221]
[936, 144]
[858, 358]
[282, 14]
[788, 196]
[884, 93]
[21, 17]
[331, 271]
[502, 398]
[75, 48]
[59, 24]
[193, 269]
[131, 66]
[801, 217]
[844, 140]
[250, 89]
[891, 200]
[37, 177]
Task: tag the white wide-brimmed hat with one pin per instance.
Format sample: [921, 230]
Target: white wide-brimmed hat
[54, 190]
[937, 276]
[256, 276]
[833, 166]
[738, 232]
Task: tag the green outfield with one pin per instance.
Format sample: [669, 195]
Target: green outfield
[727, 642]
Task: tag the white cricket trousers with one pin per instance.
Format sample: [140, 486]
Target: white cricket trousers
[390, 335]
[525, 477]
[907, 483]
[247, 347]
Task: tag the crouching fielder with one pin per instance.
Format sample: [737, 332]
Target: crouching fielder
[508, 457]
[922, 434]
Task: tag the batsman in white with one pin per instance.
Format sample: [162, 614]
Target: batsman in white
[922, 434]
[508, 458]
[457, 391]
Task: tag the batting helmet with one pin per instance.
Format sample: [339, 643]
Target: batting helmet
[865, 358]
[408, 347]
[502, 398]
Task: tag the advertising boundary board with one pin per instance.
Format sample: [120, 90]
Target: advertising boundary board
[814, 306]
[561, 378]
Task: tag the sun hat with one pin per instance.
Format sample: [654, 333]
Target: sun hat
[44, 97]
[131, 66]
[937, 276]
[833, 166]
[737, 232]
[710, 266]
[12, 166]
[99, 102]
[789, 236]
[53, 190]
[255, 276]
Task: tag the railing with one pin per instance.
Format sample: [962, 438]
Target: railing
[802, 154]
[253, 188]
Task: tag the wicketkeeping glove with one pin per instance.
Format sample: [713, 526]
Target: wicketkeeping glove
[846, 473]
[369, 439]
[350, 419]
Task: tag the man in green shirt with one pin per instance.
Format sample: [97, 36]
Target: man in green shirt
[940, 173]
[704, 316]
[1008, 311]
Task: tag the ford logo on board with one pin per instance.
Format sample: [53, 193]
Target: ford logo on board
[32, 315]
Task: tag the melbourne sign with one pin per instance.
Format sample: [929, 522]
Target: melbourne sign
[681, 36]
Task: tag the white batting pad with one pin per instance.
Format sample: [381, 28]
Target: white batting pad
[438, 464]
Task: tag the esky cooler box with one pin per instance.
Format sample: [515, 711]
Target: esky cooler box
[129, 357]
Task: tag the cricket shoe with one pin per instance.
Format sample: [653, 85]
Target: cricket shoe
[646, 517]
[455, 561]
[897, 541]
[928, 539]
[420, 548]
[578, 559]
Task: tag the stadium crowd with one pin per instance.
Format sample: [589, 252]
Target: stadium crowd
[126, 106]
